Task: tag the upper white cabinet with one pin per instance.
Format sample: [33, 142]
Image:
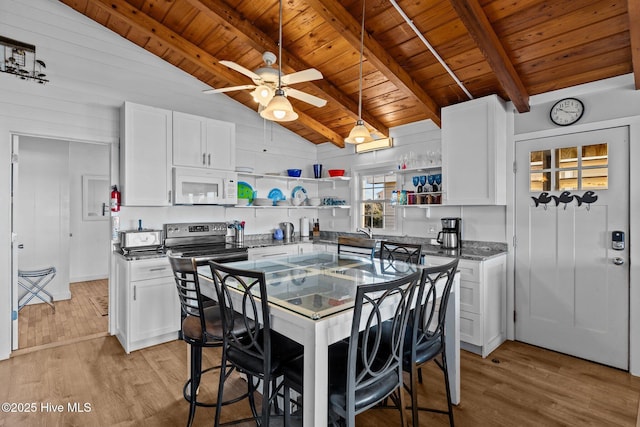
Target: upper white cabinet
[474, 141]
[203, 142]
[145, 155]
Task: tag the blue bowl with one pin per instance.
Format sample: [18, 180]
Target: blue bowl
[294, 172]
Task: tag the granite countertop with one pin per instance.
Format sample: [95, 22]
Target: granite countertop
[471, 250]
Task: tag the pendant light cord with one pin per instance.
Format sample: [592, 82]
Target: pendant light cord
[280, 49]
[361, 55]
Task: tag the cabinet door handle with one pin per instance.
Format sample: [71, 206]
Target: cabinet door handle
[204, 159]
[134, 292]
[169, 196]
[209, 159]
[158, 269]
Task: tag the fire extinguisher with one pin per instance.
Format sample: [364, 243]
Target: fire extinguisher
[115, 199]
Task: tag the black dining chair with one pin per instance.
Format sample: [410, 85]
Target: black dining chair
[366, 369]
[399, 251]
[201, 327]
[258, 351]
[425, 337]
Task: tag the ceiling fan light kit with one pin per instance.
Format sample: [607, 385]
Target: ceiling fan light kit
[279, 109]
[262, 95]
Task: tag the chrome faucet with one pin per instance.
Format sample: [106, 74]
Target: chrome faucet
[366, 231]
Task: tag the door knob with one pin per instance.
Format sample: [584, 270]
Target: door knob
[618, 261]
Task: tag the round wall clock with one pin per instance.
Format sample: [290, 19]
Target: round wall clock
[566, 111]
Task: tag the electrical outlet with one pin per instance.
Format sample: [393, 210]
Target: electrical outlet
[432, 229]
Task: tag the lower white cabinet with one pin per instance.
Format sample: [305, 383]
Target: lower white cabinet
[483, 299]
[325, 247]
[148, 308]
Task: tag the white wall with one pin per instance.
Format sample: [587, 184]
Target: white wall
[92, 71]
[89, 246]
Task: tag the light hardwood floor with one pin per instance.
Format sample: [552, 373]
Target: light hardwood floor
[518, 385]
[73, 319]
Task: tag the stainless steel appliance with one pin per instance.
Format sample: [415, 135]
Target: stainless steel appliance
[202, 240]
[450, 236]
[287, 229]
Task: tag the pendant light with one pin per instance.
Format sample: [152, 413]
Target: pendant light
[279, 108]
[360, 133]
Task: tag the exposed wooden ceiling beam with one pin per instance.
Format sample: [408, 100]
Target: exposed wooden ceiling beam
[341, 20]
[220, 12]
[633, 7]
[198, 56]
[475, 20]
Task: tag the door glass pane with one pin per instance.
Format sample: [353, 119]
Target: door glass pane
[540, 160]
[567, 180]
[567, 157]
[540, 181]
[595, 173]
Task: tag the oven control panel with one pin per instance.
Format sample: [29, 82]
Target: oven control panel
[193, 229]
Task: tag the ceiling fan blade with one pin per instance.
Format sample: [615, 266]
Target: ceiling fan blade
[302, 76]
[306, 97]
[229, 89]
[241, 69]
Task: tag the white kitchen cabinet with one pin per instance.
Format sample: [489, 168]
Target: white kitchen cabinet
[305, 248]
[203, 142]
[148, 308]
[474, 159]
[483, 321]
[145, 155]
[325, 247]
[272, 251]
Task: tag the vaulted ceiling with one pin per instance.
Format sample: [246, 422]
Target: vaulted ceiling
[513, 48]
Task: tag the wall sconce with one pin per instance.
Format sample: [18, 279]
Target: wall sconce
[376, 144]
[20, 60]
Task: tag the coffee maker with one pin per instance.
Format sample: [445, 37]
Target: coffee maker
[451, 234]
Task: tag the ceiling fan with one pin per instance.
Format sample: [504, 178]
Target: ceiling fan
[265, 81]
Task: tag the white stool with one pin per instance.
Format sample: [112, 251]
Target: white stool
[34, 281]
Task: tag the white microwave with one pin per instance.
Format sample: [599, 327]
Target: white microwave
[193, 186]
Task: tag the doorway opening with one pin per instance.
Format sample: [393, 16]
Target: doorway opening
[61, 221]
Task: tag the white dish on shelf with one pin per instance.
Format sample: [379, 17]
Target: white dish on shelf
[314, 201]
[262, 202]
[283, 203]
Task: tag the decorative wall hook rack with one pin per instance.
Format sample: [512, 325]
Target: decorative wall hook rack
[19, 58]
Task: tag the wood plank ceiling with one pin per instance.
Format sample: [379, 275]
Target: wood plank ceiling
[513, 48]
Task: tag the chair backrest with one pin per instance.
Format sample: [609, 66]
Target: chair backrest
[397, 251]
[185, 273]
[245, 313]
[356, 246]
[375, 355]
[428, 322]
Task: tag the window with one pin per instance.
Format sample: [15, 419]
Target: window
[375, 208]
[570, 168]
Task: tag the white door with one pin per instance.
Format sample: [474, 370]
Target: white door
[15, 245]
[571, 287]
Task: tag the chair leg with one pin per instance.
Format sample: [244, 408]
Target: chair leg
[415, 371]
[222, 377]
[252, 401]
[287, 405]
[445, 370]
[196, 365]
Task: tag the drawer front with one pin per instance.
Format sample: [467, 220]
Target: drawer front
[469, 270]
[470, 296]
[273, 251]
[150, 269]
[470, 328]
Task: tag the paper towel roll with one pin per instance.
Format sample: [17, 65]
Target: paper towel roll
[304, 227]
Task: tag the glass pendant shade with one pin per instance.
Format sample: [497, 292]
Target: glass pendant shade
[262, 95]
[359, 134]
[279, 109]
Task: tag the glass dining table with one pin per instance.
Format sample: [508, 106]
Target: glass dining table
[311, 298]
